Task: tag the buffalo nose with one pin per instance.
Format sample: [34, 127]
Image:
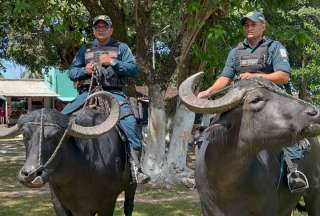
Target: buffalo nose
[25, 172]
[28, 172]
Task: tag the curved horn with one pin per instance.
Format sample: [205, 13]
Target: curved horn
[200, 105]
[10, 132]
[94, 131]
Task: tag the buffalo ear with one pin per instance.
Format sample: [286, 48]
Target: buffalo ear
[10, 132]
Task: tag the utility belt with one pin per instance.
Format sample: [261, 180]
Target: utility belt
[85, 84]
[140, 109]
[137, 109]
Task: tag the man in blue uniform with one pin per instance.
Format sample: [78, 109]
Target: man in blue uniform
[259, 56]
[115, 64]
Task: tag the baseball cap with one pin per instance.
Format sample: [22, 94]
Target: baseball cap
[104, 18]
[254, 16]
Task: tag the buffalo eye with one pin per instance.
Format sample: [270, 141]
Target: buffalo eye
[256, 100]
[256, 103]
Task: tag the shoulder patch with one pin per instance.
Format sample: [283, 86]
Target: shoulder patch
[283, 53]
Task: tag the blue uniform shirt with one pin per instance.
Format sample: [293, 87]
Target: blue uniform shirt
[277, 56]
[124, 64]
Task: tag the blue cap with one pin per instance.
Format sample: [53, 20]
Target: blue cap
[104, 18]
[254, 16]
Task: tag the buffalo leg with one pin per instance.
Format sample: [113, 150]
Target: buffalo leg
[129, 199]
[109, 208]
[58, 207]
[312, 200]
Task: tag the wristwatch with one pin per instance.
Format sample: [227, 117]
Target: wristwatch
[113, 62]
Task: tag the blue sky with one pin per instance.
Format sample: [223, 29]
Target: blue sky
[13, 70]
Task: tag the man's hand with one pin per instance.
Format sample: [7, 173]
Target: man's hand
[89, 69]
[204, 94]
[105, 59]
[248, 75]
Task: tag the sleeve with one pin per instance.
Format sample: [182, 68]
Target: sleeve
[229, 67]
[125, 65]
[280, 60]
[77, 67]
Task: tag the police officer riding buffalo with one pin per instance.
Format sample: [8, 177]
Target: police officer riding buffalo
[110, 63]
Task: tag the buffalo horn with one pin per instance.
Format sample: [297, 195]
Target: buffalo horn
[94, 131]
[10, 132]
[200, 105]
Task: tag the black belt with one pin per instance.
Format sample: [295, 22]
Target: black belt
[111, 88]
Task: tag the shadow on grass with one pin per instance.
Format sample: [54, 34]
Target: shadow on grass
[26, 206]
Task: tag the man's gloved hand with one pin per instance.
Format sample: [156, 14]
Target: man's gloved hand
[89, 69]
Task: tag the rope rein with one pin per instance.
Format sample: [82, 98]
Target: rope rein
[54, 154]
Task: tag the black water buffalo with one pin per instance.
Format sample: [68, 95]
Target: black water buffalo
[85, 165]
[238, 168]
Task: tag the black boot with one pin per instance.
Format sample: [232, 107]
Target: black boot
[297, 181]
[137, 175]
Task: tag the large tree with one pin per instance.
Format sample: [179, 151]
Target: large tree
[201, 32]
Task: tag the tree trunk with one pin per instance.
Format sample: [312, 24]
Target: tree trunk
[166, 165]
[177, 153]
[154, 161]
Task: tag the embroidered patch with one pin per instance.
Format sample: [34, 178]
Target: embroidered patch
[101, 17]
[283, 53]
[247, 62]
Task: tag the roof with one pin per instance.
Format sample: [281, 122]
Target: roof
[25, 88]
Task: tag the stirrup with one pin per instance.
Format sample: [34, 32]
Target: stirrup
[300, 175]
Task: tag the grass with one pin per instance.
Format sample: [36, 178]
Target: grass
[41, 205]
[17, 200]
[172, 208]
[26, 206]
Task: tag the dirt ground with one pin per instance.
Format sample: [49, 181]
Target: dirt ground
[12, 193]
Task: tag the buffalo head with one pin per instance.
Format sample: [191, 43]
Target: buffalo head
[263, 111]
[44, 131]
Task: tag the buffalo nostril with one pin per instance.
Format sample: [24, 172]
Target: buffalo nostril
[24, 173]
[39, 173]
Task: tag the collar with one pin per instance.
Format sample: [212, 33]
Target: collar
[97, 44]
[246, 43]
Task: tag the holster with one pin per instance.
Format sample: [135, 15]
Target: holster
[137, 108]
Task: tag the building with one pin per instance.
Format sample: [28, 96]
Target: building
[22, 96]
[59, 82]
[19, 96]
